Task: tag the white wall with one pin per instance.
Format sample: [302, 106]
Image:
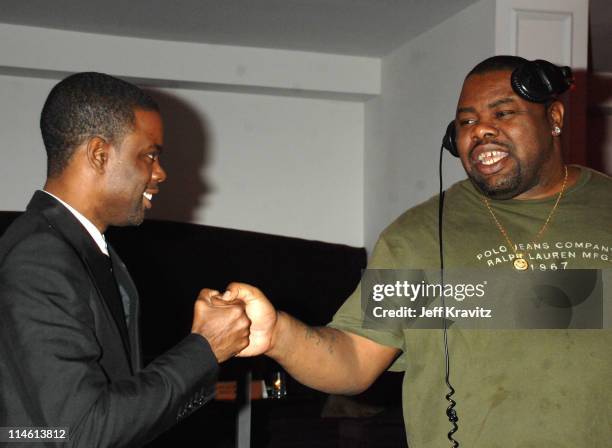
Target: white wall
[275, 145]
[404, 125]
[22, 165]
[280, 165]
[32, 48]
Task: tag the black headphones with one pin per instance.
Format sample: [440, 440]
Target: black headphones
[537, 81]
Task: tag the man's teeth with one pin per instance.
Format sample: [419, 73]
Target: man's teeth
[149, 196]
[491, 157]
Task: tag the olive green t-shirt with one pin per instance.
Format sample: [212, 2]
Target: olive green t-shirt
[514, 388]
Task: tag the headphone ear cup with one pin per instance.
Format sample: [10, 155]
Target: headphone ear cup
[449, 142]
[540, 81]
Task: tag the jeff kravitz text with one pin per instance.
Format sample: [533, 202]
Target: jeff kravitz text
[449, 312]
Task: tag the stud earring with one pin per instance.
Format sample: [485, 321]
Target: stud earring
[556, 131]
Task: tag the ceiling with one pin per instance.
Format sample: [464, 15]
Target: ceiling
[353, 27]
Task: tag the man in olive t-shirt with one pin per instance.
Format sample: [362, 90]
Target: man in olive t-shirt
[522, 208]
[514, 388]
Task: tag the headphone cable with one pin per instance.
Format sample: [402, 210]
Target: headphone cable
[451, 413]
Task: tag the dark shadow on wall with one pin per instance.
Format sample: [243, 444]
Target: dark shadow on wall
[185, 156]
[598, 118]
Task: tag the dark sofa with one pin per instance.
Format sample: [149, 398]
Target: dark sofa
[170, 262]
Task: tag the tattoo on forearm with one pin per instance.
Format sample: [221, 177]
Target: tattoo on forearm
[332, 342]
[320, 336]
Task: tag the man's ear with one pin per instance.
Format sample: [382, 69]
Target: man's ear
[555, 114]
[97, 153]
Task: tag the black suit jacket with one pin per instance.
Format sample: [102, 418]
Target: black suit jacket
[67, 356]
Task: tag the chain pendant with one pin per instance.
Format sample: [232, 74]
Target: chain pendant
[520, 264]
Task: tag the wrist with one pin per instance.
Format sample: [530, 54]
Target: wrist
[275, 349]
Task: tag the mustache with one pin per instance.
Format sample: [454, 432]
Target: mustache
[480, 142]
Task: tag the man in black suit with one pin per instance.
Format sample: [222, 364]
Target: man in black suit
[69, 349]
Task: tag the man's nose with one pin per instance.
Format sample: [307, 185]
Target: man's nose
[159, 174]
[484, 131]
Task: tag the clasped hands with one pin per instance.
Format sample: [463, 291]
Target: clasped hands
[237, 322]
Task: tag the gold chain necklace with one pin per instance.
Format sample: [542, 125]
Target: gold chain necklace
[520, 263]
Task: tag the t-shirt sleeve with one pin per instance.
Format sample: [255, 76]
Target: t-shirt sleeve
[350, 315]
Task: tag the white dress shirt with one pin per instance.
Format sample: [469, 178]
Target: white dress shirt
[93, 230]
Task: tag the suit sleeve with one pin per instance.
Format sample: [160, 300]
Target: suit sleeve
[49, 370]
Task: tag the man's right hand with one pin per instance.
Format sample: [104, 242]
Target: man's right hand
[224, 324]
[323, 358]
[259, 310]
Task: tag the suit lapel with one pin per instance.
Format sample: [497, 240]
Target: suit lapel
[97, 264]
[124, 280]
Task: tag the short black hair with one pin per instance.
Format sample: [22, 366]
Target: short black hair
[85, 105]
[497, 63]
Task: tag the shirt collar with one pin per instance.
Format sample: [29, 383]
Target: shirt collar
[93, 230]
